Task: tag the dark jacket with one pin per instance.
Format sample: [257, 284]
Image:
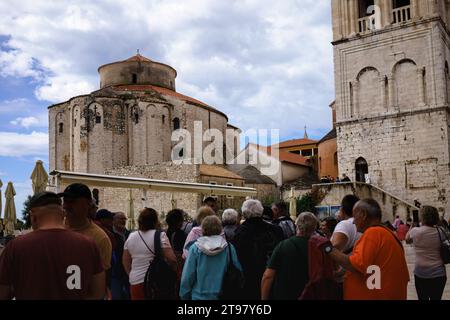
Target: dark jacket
[230, 230]
[255, 241]
[287, 225]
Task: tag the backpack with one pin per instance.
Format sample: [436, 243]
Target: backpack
[160, 280]
[262, 244]
[233, 280]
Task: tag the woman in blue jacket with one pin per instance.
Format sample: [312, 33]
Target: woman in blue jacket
[207, 263]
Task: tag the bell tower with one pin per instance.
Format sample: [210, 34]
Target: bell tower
[392, 85]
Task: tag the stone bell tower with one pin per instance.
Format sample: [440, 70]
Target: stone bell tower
[392, 90]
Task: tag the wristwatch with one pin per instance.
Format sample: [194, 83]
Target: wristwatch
[328, 249]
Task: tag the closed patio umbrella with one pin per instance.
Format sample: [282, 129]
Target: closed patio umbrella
[131, 224]
[39, 177]
[292, 205]
[9, 218]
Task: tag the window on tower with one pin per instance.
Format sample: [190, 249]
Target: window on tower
[366, 8]
[176, 124]
[61, 128]
[400, 3]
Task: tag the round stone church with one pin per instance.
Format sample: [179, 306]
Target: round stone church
[128, 122]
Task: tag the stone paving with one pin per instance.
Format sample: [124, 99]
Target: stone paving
[410, 258]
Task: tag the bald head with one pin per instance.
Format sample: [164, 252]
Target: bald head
[366, 213]
[47, 216]
[119, 220]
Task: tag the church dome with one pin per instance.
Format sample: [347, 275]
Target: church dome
[137, 70]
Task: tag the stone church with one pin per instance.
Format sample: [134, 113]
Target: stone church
[392, 84]
[125, 129]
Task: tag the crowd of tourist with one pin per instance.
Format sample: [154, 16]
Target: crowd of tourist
[79, 252]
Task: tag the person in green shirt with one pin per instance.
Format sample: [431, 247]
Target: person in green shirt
[287, 272]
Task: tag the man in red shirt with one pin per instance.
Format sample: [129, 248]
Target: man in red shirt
[51, 263]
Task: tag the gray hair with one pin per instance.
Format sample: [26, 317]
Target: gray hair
[230, 216]
[211, 226]
[252, 209]
[307, 223]
[370, 207]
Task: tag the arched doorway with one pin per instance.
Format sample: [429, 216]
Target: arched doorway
[361, 169]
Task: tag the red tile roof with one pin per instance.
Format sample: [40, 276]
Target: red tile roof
[138, 57]
[218, 171]
[285, 156]
[167, 92]
[296, 142]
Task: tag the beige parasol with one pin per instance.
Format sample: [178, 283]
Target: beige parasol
[293, 205]
[9, 219]
[39, 177]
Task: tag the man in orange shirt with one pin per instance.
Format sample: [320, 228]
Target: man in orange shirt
[377, 269]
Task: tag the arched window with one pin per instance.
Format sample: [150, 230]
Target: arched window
[176, 124]
[364, 6]
[361, 169]
[163, 119]
[134, 78]
[95, 194]
[400, 3]
[61, 127]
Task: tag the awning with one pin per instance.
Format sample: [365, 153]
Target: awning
[107, 181]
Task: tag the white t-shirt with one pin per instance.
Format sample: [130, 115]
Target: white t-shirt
[428, 256]
[140, 255]
[349, 229]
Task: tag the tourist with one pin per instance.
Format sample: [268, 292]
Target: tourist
[345, 178]
[45, 264]
[255, 241]
[267, 214]
[139, 252]
[207, 263]
[403, 229]
[378, 254]
[177, 237]
[104, 219]
[230, 222]
[345, 234]
[287, 272]
[212, 203]
[78, 209]
[397, 222]
[281, 218]
[119, 225]
[207, 202]
[120, 285]
[327, 226]
[429, 271]
[196, 232]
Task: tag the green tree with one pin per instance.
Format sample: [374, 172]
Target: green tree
[306, 203]
[26, 213]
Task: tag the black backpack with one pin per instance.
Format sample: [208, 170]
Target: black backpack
[160, 280]
[233, 280]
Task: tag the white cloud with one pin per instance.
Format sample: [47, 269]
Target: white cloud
[262, 62]
[14, 105]
[14, 144]
[40, 121]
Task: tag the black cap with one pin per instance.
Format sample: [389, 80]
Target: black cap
[77, 190]
[43, 199]
[104, 214]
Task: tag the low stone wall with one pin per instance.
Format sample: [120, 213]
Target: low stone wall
[118, 199]
[332, 194]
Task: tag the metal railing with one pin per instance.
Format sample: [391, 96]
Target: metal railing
[402, 14]
[366, 24]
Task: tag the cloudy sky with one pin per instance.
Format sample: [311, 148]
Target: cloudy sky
[267, 64]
